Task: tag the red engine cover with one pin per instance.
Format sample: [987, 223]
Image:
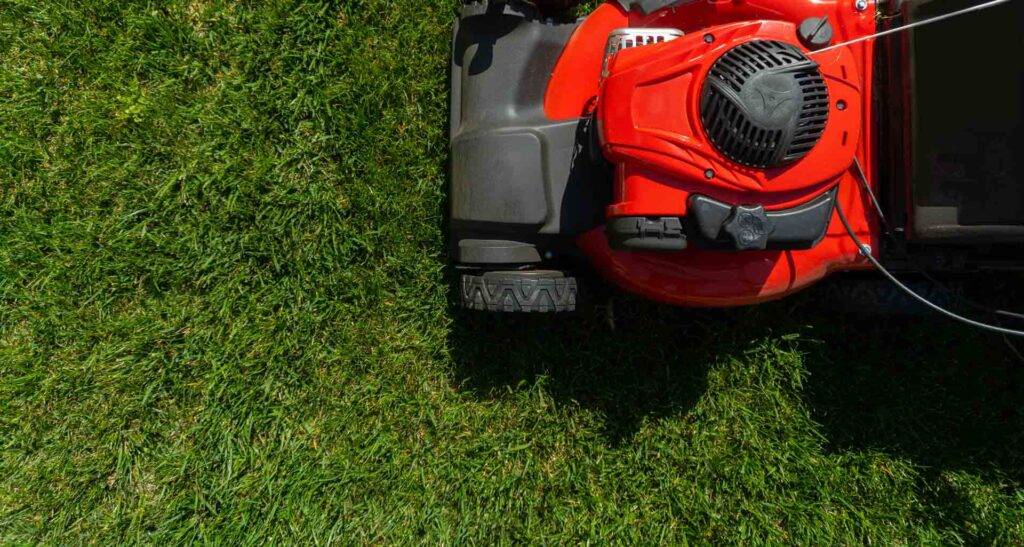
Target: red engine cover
[649, 114]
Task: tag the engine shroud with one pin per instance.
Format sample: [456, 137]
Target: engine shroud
[738, 113]
[672, 163]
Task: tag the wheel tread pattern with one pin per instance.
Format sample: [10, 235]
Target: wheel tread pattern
[513, 294]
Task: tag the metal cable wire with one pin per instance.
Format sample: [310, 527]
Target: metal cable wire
[911, 26]
[863, 180]
[865, 251]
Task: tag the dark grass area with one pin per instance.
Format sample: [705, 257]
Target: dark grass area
[225, 316]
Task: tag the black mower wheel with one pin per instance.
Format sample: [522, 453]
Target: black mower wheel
[520, 292]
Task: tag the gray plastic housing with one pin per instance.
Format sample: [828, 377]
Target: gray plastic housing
[516, 176]
[650, 6]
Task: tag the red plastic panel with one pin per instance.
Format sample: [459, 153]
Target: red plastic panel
[649, 116]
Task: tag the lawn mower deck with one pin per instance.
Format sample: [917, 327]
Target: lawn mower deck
[726, 153]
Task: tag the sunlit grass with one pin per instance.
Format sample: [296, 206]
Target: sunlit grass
[225, 316]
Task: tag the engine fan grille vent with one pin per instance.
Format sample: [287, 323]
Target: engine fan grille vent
[764, 104]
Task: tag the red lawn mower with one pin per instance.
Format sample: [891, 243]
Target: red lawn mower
[720, 153]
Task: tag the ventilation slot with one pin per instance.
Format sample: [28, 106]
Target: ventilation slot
[739, 104]
[626, 38]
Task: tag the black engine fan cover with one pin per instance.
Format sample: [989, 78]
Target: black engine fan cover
[764, 104]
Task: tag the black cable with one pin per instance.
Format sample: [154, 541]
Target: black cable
[865, 251]
[863, 179]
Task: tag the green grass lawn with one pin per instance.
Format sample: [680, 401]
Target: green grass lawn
[225, 316]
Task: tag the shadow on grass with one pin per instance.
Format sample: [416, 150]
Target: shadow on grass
[626, 375]
[912, 386]
[944, 395]
[920, 388]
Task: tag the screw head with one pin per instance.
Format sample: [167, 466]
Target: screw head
[708, 38]
[841, 105]
[861, 5]
[709, 174]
